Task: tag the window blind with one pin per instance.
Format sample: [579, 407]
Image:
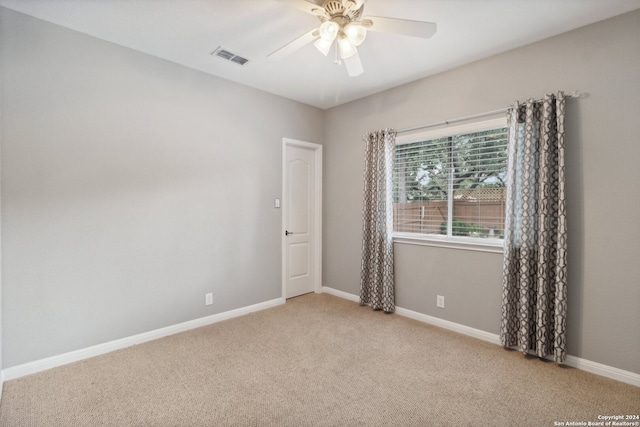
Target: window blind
[452, 185]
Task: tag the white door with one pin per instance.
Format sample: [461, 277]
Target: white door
[300, 216]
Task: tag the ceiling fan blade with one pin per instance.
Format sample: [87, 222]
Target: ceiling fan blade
[289, 48]
[401, 26]
[353, 65]
[306, 6]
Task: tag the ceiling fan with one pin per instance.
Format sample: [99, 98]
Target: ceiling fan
[342, 24]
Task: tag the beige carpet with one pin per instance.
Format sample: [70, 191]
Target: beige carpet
[318, 360]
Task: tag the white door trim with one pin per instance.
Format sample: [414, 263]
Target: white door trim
[317, 150]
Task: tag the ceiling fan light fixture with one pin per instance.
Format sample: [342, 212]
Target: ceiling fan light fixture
[342, 22]
[329, 30]
[347, 49]
[323, 45]
[355, 33]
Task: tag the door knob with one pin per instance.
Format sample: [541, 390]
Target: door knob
[286, 233]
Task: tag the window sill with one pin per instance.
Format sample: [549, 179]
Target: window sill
[462, 243]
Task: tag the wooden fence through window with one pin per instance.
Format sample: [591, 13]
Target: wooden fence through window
[481, 210]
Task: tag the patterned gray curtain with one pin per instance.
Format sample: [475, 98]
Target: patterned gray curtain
[534, 288]
[376, 279]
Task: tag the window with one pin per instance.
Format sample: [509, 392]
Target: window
[450, 184]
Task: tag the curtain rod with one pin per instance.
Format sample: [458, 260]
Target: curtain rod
[574, 94]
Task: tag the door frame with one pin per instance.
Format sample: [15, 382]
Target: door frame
[317, 262]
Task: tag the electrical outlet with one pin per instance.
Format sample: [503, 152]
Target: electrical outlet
[440, 301]
[208, 299]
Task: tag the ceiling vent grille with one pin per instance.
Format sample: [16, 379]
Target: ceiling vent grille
[223, 53]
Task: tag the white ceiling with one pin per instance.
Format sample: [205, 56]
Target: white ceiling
[187, 31]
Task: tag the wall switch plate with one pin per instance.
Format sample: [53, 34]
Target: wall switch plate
[440, 301]
[208, 299]
[276, 203]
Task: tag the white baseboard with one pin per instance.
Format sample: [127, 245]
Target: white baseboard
[96, 350]
[572, 361]
[603, 370]
[445, 324]
[451, 326]
[341, 294]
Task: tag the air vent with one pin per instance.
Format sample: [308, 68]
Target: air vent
[223, 53]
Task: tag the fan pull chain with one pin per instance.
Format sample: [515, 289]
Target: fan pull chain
[337, 61]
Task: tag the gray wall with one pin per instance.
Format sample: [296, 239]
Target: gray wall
[131, 186]
[603, 155]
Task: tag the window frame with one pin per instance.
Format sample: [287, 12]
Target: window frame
[494, 245]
